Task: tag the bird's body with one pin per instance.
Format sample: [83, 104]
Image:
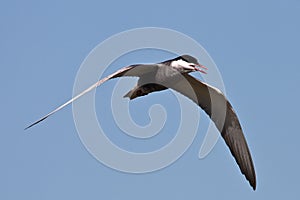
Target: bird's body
[173, 74]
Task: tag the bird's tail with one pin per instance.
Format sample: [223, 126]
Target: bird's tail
[143, 90]
[137, 91]
[130, 94]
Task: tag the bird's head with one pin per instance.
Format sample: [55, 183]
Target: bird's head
[187, 64]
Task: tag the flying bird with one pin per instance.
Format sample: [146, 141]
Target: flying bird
[174, 74]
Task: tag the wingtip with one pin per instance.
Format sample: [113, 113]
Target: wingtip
[251, 178]
[253, 184]
[31, 125]
[38, 121]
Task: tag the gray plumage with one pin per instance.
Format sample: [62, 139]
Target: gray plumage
[174, 74]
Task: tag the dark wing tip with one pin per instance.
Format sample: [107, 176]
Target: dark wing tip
[242, 156]
[251, 178]
[235, 140]
[36, 122]
[253, 184]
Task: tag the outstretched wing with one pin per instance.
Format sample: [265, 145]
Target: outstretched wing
[215, 104]
[133, 70]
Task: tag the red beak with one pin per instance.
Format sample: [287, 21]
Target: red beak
[201, 68]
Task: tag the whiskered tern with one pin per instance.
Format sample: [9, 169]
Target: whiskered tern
[174, 74]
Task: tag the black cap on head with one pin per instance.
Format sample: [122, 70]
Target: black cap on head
[189, 59]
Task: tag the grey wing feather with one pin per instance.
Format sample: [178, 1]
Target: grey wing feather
[215, 104]
[133, 70]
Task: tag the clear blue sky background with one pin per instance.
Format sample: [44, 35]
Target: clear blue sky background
[42, 44]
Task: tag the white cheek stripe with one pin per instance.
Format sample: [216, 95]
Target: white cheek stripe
[181, 63]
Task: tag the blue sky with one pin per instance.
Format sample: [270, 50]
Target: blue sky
[255, 44]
